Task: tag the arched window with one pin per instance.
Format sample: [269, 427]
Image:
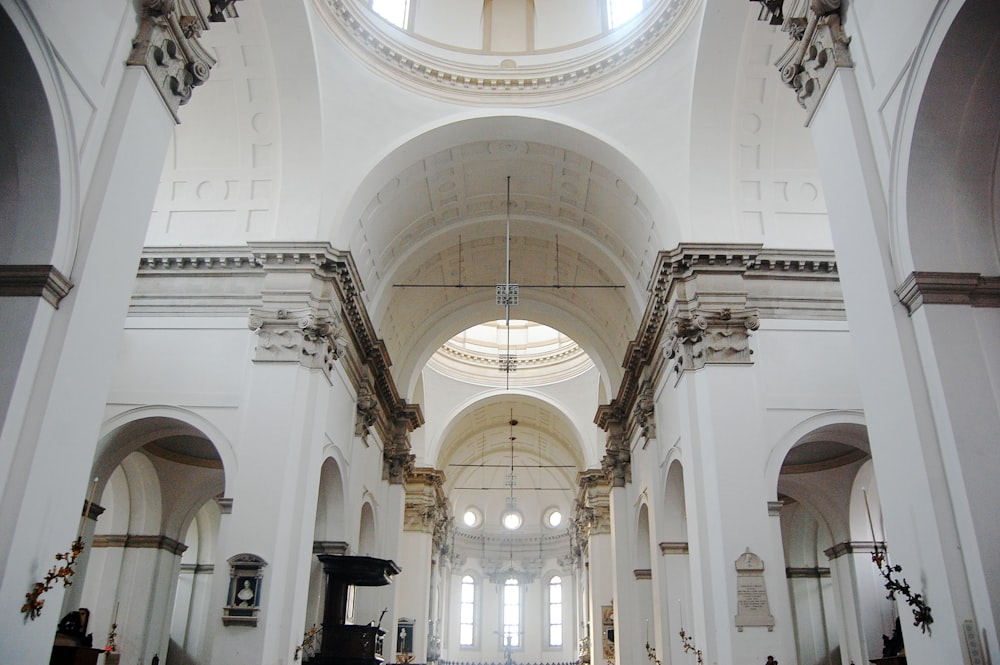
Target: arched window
[622, 11]
[512, 613]
[394, 11]
[555, 612]
[467, 612]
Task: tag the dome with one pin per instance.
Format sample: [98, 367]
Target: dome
[507, 51]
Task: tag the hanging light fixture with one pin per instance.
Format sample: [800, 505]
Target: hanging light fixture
[511, 518]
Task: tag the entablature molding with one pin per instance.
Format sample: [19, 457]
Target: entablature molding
[854, 547]
[34, 281]
[131, 541]
[948, 288]
[592, 509]
[167, 45]
[705, 300]
[306, 306]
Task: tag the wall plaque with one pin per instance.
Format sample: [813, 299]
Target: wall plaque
[752, 608]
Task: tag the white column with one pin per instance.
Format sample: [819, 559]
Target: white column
[728, 513]
[922, 494]
[628, 635]
[274, 503]
[58, 401]
[413, 587]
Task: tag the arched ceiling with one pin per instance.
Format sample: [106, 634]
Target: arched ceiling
[582, 244]
[481, 433]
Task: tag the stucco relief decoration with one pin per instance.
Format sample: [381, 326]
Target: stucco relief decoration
[167, 45]
[298, 335]
[699, 338]
[818, 47]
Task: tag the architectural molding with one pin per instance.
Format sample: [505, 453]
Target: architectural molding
[534, 78]
[617, 462]
[91, 511]
[948, 288]
[331, 547]
[168, 47]
[426, 508]
[197, 568]
[774, 508]
[130, 541]
[853, 547]
[225, 505]
[807, 573]
[643, 573]
[679, 547]
[313, 337]
[818, 47]
[706, 299]
[34, 281]
[592, 510]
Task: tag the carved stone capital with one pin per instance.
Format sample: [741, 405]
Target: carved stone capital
[167, 45]
[617, 462]
[698, 338]
[592, 511]
[397, 462]
[367, 405]
[818, 48]
[426, 508]
[311, 338]
[644, 413]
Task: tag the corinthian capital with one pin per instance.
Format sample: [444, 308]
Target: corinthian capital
[310, 338]
[818, 47]
[167, 45]
[699, 338]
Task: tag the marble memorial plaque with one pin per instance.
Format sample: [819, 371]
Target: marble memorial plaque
[752, 608]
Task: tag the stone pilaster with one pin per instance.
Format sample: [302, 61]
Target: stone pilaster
[167, 45]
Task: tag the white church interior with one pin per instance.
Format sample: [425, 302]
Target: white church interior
[535, 332]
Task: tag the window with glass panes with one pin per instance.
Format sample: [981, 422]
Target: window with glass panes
[555, 612]
[467, 612]
[512, 613]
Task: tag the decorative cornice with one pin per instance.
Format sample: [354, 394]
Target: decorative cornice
[774, 508]
[537, 79]
[948, 288]
[674, 548]
[93, 512]
[129, 541]
[197, 568]
[643, 573]
[808, 573]
[34, 281]
[167, 46]
[330, 547]
[817, 49]
[853, 547]
[426, 508]
[225, 505]
[704, 301]
[332, 274]
[592, 511]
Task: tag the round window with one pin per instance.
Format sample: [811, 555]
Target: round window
[512, 520]
[472, 517]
